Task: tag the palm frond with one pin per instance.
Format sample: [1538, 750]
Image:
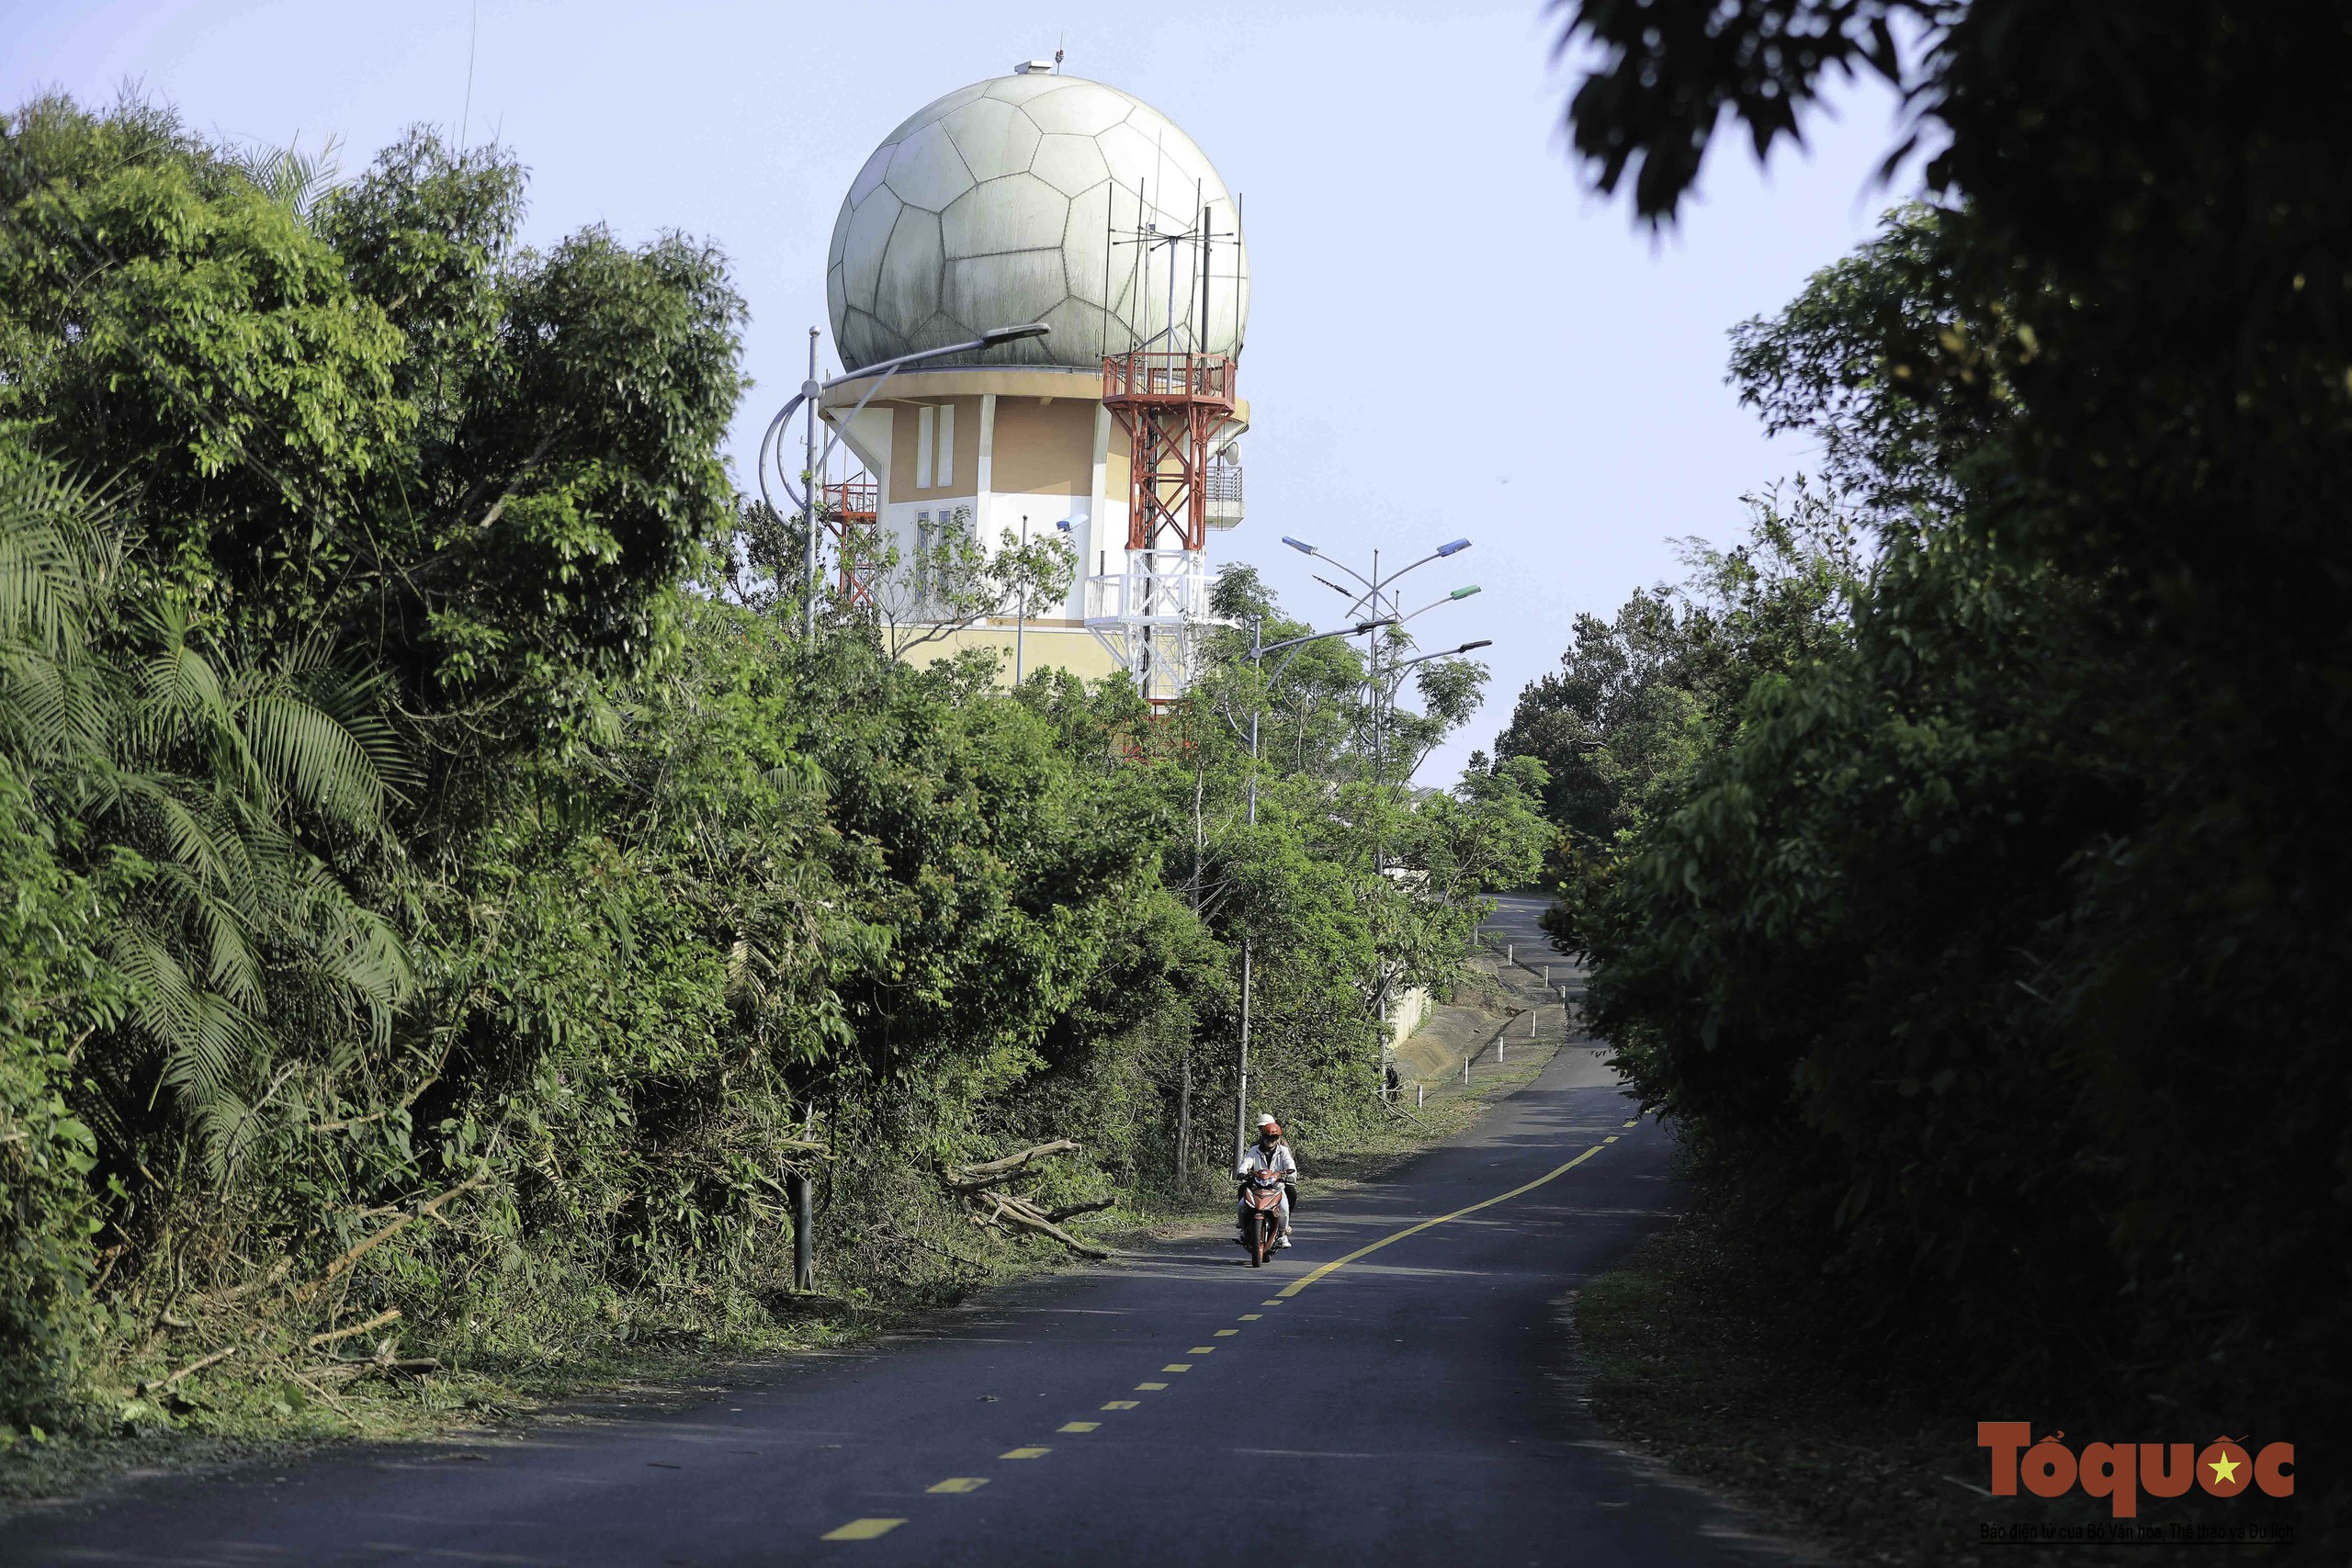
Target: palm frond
[311, 756]
[292, 178]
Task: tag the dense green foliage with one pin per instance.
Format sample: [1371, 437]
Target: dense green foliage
[438, 877]
[1998, 945]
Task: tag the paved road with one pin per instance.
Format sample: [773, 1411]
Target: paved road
[1396, 1405]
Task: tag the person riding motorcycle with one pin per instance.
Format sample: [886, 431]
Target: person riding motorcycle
[1269, 1154]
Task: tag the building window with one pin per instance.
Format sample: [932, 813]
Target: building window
[926, 420]
[943, 470]
[940, 541]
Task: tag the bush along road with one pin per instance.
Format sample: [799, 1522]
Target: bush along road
[1387, 1390]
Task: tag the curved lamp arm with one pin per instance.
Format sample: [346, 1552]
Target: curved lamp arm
[886, 369]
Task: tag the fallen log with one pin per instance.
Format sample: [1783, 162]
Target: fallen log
[1071, 1210]
[388, 1314]
[198, 1365]
[1027, 1216]
[972, 1178]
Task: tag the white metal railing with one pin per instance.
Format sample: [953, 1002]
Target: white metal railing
[1160, 588]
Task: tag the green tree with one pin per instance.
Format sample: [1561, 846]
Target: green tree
[1959, 928]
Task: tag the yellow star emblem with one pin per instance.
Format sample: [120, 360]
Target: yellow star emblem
[2226, 1469]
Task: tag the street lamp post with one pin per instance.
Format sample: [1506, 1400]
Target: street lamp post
[1259, 648]
[1379, 594]
[810, 390]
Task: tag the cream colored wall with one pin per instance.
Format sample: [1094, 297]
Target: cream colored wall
[1407, 1010]
[1075, 649]
[1044, 448]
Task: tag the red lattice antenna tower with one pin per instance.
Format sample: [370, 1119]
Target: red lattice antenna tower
[851, 508]
[1172, 406]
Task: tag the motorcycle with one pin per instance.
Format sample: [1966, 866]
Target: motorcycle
[1262, 1215]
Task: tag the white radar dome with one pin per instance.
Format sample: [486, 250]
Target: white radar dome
[1036, 197]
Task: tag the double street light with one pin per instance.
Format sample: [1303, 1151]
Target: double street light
[1378, 592]
[1449, 653]
[771, 452]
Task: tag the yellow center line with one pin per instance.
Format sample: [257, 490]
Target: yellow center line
[1610, 1139]
[1202, 1350]
[1249, 1317]
[960, 1483]
[1177, 1367]
[1223, 1332]
[862, 1530]
[1024, 1453]
[1277, 1302]
[1125, 1405]
[1150, 1387]
[1339, 1263]
[1078, 1426]
[1635, 1122]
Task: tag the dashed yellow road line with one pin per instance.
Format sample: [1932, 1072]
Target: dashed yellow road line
[1177, 1367]
[1339, 1263]
[1202, 1350]
[960, 1483]
[1078, 1426]
[1223, 1332]
[1635, 1122]
[1250, 1316]
[1610, 1139]
[1150, 1387]
[1124, 1404]
[862, 1530]
[1275, 1302]
[1024, 1453]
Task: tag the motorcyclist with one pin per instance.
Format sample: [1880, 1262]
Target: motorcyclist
[1269, 1152]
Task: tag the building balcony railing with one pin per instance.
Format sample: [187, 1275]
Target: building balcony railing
[1221, 488]
[1159, 376]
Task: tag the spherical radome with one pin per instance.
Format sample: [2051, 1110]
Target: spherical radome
[1020, 200]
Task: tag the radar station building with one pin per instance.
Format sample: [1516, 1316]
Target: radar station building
[1042, 197]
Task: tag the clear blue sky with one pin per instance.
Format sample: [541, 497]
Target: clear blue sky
[1447, 335]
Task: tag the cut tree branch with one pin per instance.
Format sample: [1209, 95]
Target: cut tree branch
[345, 1264]
[1025, 1215]
[196, 1366]
[972, 1178]
[389, 1315]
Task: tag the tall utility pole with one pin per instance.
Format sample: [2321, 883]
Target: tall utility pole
[809, 502]
[1259, 648]
[1020, 626]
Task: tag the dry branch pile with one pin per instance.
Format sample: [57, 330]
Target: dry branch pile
[990, 1207]
[264, 1327]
